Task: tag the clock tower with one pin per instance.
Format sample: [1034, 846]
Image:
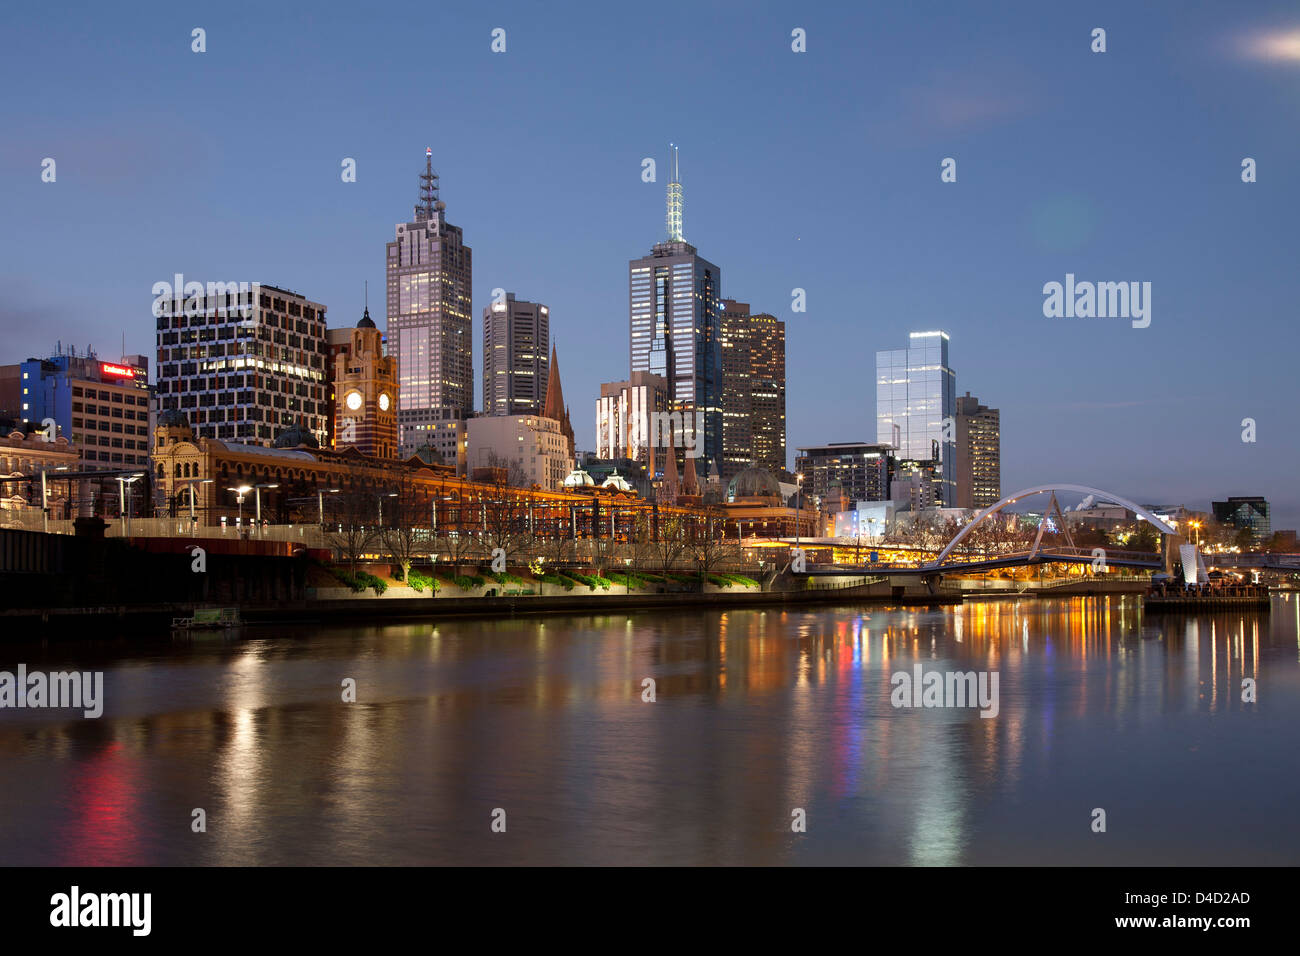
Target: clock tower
[365, 393]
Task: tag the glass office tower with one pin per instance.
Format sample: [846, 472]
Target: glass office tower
[430, 279]
[675, 306]
[916, 391]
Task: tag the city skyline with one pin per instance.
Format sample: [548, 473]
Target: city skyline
[970, 257]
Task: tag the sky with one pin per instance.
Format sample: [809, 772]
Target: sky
[817, 170]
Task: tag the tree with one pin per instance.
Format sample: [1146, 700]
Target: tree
[667, 548]
[350, 525]
[513, 467]
[506, 521]
[406, 533]
[709, 543]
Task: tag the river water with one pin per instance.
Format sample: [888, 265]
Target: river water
[760, 719]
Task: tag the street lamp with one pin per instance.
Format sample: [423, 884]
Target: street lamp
[240, 491]
[798, 502]
[124, 502]
[190, 484]
[391, 494]
[257, 497]
[45, 497]
[320, 501]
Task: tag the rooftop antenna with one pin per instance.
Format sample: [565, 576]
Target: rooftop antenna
[424, 209]
[674, 199]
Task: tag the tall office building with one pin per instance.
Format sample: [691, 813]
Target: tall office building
[429, 331]
[243, 365]
[737, 408]
[753, 390]
[978, 454]
[916, 391]
[516, 338]
[675, 303]
[623, 417]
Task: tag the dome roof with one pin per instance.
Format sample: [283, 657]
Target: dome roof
[579, 479]
[294, 436]
[616, 481]
[173, 418]
[753, 482]
[365, 322]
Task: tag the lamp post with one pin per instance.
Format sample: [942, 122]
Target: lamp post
[257, 497]
[798, 504]
[197, 481]
[627, 571]
[320, 502]
[391, 494]
[240, 491]
[124, 501]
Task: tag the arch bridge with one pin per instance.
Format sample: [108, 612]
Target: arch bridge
[1037, 554]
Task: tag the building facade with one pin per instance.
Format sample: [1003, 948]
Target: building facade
[856, 471]
[978, 454]
[675, 308]
[429, 327]
[104, 408]
[1250, 513]
[243, 367]
[916, 401]
[364, 385]
[624, 418]
[516, 340]
[531, 448]
[753, 390]
[26, 454]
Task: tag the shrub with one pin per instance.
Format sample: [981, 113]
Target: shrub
[420, 581]
[507, 578]
[467, 583]
[556, 579]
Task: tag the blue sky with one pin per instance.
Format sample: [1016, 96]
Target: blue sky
[817, 170]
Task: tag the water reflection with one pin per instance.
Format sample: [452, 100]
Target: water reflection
[757, 714]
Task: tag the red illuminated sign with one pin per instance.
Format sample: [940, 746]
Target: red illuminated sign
[121, 371]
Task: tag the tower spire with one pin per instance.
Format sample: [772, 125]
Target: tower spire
[428, 203]
[674, 198]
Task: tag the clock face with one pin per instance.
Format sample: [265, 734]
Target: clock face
[383, 402]
[354, 400]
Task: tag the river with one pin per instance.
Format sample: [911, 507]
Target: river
[763, 721]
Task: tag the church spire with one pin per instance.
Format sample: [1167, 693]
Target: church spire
[554, 406]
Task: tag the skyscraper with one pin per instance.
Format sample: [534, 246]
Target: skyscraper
[753, 390]
[429, 331]
[243, 365]
[978, 454]
[916, 406]
[516, 338]
[675, 300]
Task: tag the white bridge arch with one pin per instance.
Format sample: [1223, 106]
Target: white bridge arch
[1044, 489]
